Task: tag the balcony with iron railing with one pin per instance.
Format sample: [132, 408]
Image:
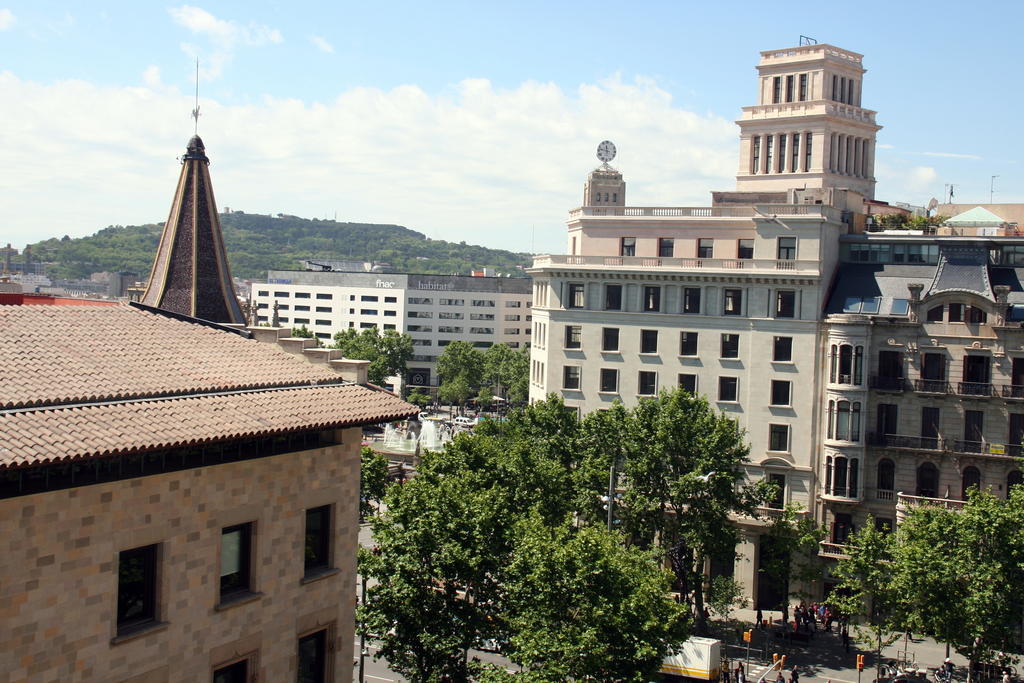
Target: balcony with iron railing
[921, 443]
[658, 263]
[968, 389]
[944, 444]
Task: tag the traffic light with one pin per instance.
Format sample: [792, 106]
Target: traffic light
[746, 636]
[860, 662]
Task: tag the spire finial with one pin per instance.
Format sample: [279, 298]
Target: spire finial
[195, 112]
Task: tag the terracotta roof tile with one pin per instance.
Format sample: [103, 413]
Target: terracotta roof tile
[37, 436]
[70, 354]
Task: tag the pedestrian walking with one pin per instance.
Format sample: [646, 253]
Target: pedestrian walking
[741, 676]
[780, 678]
[760, 618]
[846, 638]
[725, 675]
[795, 676]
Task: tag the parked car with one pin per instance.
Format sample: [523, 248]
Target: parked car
[466, 422]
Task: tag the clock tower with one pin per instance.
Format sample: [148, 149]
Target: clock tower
[808, 129]
[604, 186]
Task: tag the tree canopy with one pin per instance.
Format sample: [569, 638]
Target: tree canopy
[388, 351]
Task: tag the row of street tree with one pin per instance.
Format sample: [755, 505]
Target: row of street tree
[956, 575]
[504, 536]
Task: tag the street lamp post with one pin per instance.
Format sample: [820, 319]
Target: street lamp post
[362, 634]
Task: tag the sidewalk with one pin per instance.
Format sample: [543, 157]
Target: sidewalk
[823, 658]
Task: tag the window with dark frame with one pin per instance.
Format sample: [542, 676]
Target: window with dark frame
[691, 300]
[745, 249]
[610, 339]
[609, 380]
[573, 336]
[648, 341]
[727, 388]
[733, 302]
[780, 392]
[687, 343]
[782, 349]
[237, 672]
[785, 304]
[318, 539]
[613, 297]
[934, 314]
[576, 295]
[666, 247]
[730, 346]
[312, 658]
[778, 438]
[136, 588]
[652, 299]
[235, 560]
[571, 377]
[705, 247]
[803, 87]
[688, 383]
[786, 249]
[956, 313]
[627, 247]
[647, 383]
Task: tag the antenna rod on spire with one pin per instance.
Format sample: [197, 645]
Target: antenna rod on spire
[195, 112]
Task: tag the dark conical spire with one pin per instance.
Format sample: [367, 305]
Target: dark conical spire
[190, 273]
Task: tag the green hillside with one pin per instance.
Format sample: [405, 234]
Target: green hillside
[256, 243]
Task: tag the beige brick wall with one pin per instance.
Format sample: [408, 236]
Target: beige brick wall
[58, 571]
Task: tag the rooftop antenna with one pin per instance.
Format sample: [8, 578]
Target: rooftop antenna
[807, 40]
[992, 188]
[195, 112]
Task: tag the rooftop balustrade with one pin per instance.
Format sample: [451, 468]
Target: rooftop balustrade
[754, 266]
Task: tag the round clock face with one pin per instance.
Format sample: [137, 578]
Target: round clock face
[606, 151]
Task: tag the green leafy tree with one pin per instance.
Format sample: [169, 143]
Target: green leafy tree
[305, 333]
[373, 480]
[793, 562]
[461, 369]
[388, 351]
[960, 574]
[684, 471]
[726, 595]
[419, 398]
[507, 371]
[580, 606]
[867, 589]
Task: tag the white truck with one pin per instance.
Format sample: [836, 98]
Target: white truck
[696, 659]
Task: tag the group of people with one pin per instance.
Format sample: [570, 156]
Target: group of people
[739, 675]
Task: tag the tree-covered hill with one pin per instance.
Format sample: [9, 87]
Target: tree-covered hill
[256, 243]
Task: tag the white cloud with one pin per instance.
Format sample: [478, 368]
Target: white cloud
[321, 44]
[953, 155]
[222, 36]
[920, 178]
[479, 164]
[7, 19]
[151, 77]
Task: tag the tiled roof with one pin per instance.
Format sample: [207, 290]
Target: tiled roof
[40, 436]
[962, 269]
[68, 354]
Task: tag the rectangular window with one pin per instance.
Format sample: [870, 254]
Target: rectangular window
[136, 588]
[956, 313]
[573, 336]
[745, 249]
[705, 247]
[484, 316]
[652, 299]
[281, 295]
[420, 300]
[312, 658]
[648, 341]
[727, 388]
[509, 317]
[576, 296]
[782, 154]
[782, 349]
[513, 304]
[733, 302]
[237, 672]
[610, 339]
[688, 383]
[571, 377]
[263, 292]
[776, 89]
[301, 321]
[627, 246]
[301, 308]
[785, 304]
[318, 539]
[367, 297]
[780, 392]
[235, 557]
[778, 437]
[730, 346]
[367, 311]
[301, 295]
[794, 164]
[391, 299]
[482, 303]
[319, 309]
[691, 300]
[755, 155]
[613, 297]
[768, 152]
[803, 88]
[835, 88]
[647, 383]
[325, 297]
[789, 88]
[930, 417]
[609, 380]
[687, 343]
[807, 151]
[666, 247]
[322, 322]
[787, 249]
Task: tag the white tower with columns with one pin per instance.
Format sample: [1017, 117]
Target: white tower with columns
[808, 128]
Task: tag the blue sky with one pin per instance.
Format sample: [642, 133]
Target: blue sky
[467, 121]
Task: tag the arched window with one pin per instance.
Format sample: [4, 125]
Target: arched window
[1014, 478]
[927, 480]
[971, 478]
[847, 363]
[886, 475]
[844, 424]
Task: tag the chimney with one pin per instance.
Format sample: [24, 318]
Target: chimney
[915, 290]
